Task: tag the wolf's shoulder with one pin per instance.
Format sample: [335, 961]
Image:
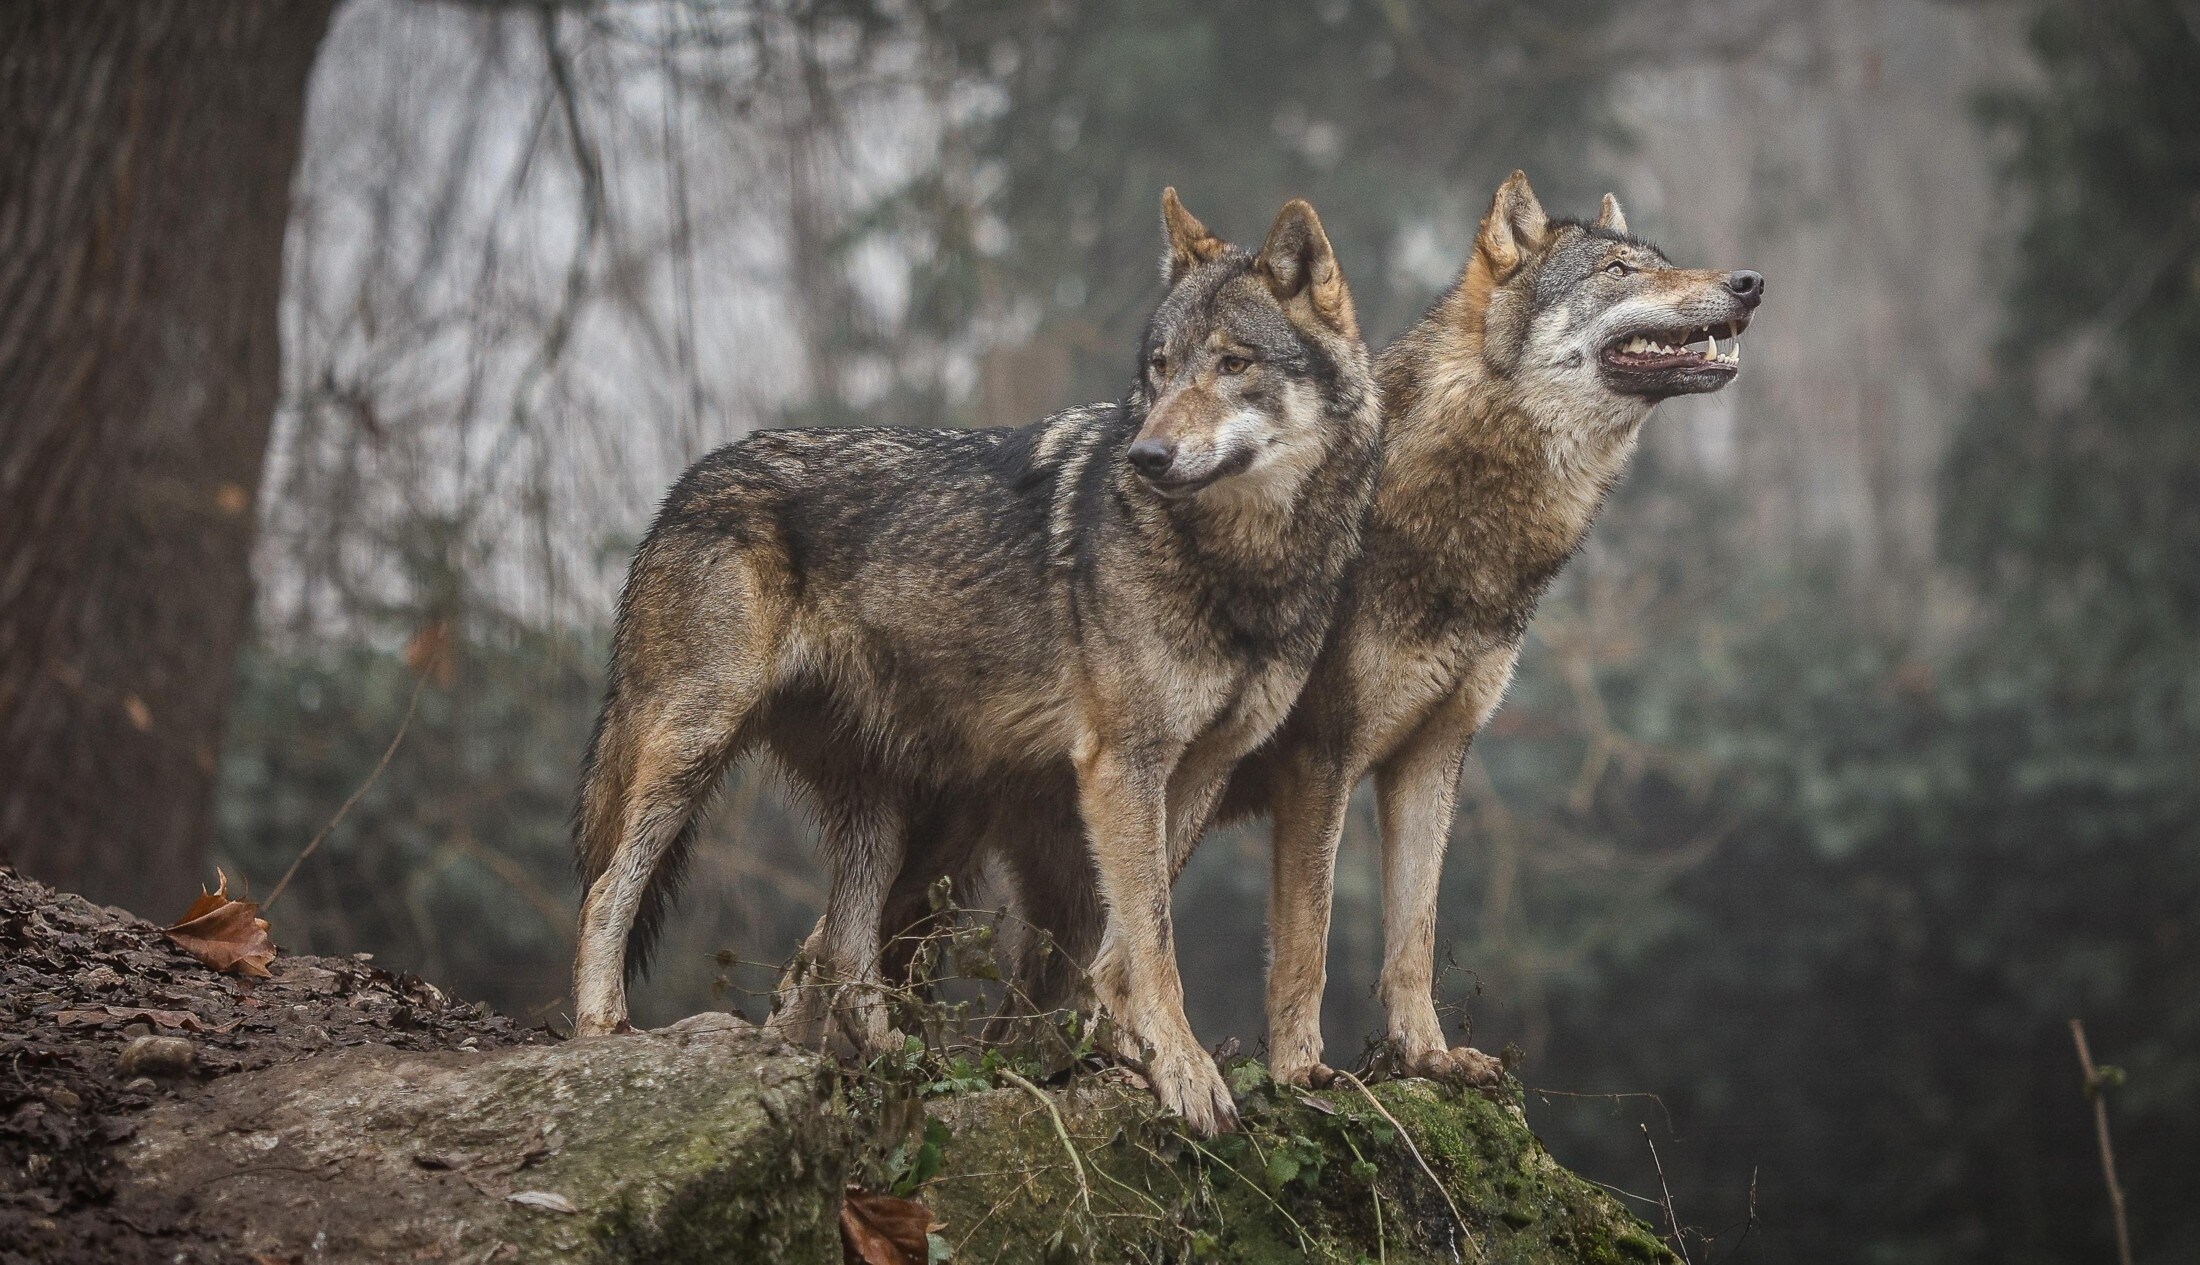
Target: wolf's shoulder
[1063, 436]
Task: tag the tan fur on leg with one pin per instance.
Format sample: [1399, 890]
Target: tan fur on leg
[1302, 877]
[1124, 804]
[1416, 792]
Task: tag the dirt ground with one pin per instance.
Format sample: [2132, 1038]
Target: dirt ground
[80, 982]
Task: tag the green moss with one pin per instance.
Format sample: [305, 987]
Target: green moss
[1303, 1181]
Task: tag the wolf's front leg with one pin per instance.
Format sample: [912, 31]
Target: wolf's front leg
[1309, 820]
[1124, 798]
[831, 997]
[1416, 792]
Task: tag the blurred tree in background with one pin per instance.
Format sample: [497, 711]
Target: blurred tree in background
[146, 157]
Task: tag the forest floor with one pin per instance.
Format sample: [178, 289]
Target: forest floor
[80, 983]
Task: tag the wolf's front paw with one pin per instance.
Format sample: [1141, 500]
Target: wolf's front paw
[600, 1025]
[801, 1019]
[848, 1021]
[1189, 1084]
[1460, 1065]
[1306, 1073]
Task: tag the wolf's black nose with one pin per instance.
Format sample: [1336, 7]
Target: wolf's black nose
[1151, 457]
[1747, 286]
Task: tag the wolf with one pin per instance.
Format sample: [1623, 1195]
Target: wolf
[1088, 619]
[1511, 410]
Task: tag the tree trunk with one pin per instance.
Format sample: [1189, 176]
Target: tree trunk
[146, 151]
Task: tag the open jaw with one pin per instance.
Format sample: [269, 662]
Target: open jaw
[1682, 358]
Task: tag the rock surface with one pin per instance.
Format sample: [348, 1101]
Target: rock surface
[709, 1143]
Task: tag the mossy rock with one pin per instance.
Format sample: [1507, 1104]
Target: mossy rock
[1318, 1176]
[711, 1143]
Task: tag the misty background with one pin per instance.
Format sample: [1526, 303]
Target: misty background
[1852, 758]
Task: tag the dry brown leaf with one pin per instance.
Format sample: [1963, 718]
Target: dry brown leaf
[882, 1229]
[228, 935]
[430, 652]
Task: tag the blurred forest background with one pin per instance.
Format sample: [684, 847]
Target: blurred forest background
[345, 349]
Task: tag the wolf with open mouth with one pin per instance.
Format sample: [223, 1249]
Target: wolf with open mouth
[1511, 410]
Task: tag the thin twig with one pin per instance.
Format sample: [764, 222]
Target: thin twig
[1670, 1219]
[411, 705]
[1616, 1099]
[1076, 1161]
[2094, 1085]
[1748, 1224]
[1415, 1151]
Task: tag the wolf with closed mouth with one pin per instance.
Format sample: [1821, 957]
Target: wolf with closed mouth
[1511, 409]
[1088, 620]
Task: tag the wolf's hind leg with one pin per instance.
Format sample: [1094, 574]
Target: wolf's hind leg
[834, 997]
[1057, 903]
[643, 790]
[696, 651]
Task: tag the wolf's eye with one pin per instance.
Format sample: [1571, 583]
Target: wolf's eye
[1159, 364]
[1235, 364]
[1618, 268]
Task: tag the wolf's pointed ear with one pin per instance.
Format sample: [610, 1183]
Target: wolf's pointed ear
[1190, 244]
[1611, 217]
[1297, 260]
[1486, 312]
[1514, 228]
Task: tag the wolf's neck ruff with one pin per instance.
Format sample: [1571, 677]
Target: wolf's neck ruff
[1479, 478]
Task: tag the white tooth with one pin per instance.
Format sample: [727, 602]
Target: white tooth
[1713, 342]
[1637, 343]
